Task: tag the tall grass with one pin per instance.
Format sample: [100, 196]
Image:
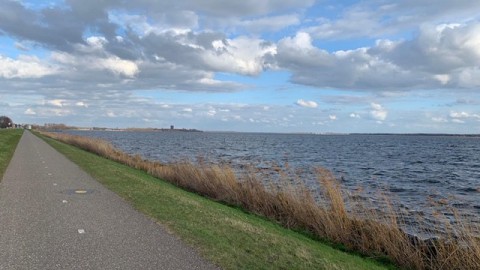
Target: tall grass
[294, 206]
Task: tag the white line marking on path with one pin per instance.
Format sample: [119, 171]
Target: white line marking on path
[64, 201]
[81, 231]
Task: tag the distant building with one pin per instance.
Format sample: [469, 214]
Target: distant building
[172, 127]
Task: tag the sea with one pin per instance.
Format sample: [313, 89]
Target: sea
[423, 176]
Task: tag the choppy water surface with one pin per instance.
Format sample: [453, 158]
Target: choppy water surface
[421, 173]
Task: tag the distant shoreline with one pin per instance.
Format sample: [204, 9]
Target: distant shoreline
[420, 134]
[127, 129]
[54, 129]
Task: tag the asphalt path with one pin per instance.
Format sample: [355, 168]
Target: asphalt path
[53, 215]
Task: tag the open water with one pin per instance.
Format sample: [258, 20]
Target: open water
[421, 174]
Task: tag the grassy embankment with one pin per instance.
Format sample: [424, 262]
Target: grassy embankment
[293, 207]
[227, 236]
[8, 142]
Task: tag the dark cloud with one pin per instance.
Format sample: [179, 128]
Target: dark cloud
[168, 47]
[49, 28]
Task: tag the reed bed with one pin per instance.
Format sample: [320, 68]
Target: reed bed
[357, 229]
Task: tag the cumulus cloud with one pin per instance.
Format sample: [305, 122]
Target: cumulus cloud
[301, 41]
[378, 112]
[461, 116]
[442, 51]
[56, 102]
[169, 51]
[354, 69]
[158, 49]
[109, 63]
[240, 55]
[29, 111]
[81, 104]
[170, 42]
[306, 103]
[91, 67]
[441, 56]
[24, 67]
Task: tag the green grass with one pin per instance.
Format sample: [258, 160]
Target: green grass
[228, 237]
[8, 142]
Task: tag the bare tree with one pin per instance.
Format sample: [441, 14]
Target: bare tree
[5, 122]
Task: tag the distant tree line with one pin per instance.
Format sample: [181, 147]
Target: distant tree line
[5, 122]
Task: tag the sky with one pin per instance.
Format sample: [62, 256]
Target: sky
[410, 66]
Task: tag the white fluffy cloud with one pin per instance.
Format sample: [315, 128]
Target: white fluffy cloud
[302, 41]
[443, 51]
[56, 102]
[441, 56]
[159, 46]
[24, 67]
[354, 69]
[81, 104]
[378, 112]
[241, 55]
[161, 50]
[306, 103]
[29, 111]
[461, 116]
[109, 63]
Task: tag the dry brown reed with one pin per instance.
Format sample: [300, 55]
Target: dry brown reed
[358, 229]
